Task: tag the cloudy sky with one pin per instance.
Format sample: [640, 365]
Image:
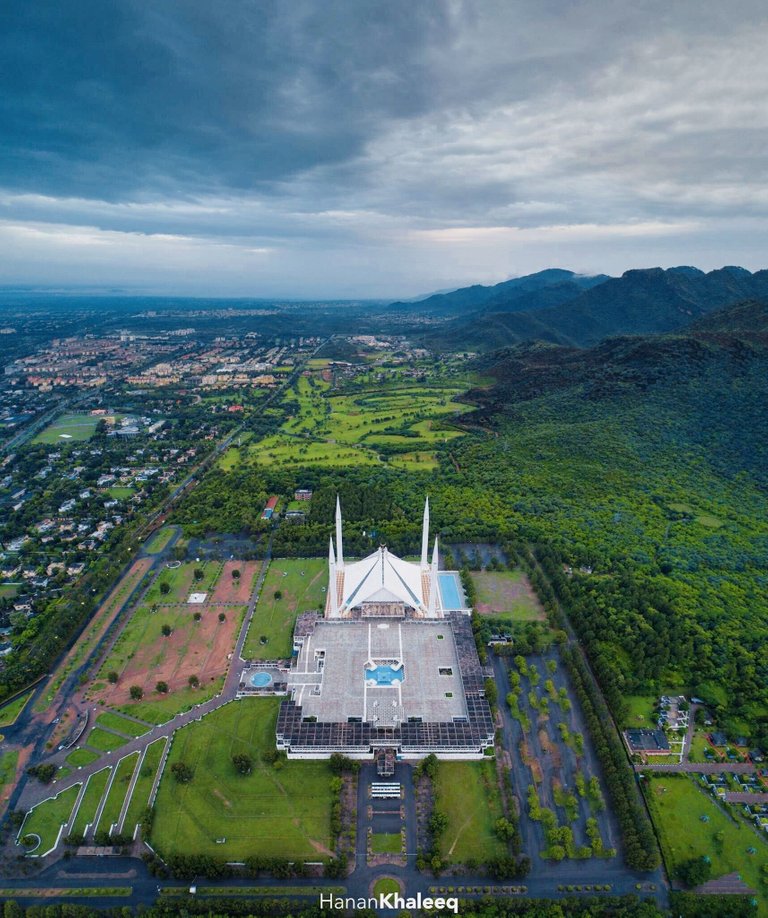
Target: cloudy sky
[313, 148]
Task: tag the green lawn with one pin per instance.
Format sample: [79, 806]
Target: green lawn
[143, 786]
[677, 806]
[161, 708]
[469, 796]
[94, 791]
[507, 593]
[82, 757]
[48, 817]
[640, 710]
[120, 493]
[116, 797]
[386, 843]
[386, 885]
[158, 540]
[112, 721]
[8, 590]
[280, 812]
[8, 762]
[10, 712]
[68, 428]
[182, 583]
[302, 583]
[105, 742]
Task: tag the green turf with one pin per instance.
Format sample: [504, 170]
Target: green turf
[386, 843]
[677, 805]
[106, 742]
[8, 762]
[48, 817]
[182, 582]
[120, 493]
[10, 712]
[385, 885]
[119, 788]
[274, 618]
[94, 791]
[158, 540]
[161, 708]
[82, 757]
[9, 590]
[281, 812]
[112, 721]
[468, 795]
[507, 592]
[143, 786]
[69, 428]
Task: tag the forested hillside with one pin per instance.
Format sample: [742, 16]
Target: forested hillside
[645, 460]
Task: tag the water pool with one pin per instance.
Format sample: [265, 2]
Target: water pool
[261, 680]
[385, 675]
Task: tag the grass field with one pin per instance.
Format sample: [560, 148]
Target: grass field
[280, 812]
[105, 742]
[48, 817]
[68, 428]
[143, 786]
[507, 592]
[158, 540]
[10, 712]
[81, 757]
[8, 764]
[468, 794]
[181, 582]
[677, 807]
[302, 583]
[112, 721]
[8, 590]
[386, 843]
[120, 493]
[159, 709]
[116, 796]
[94, 791]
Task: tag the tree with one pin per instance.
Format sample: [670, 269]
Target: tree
[243, 763]
[182, 772]
[43, 773]
[136, 692]
[222, 617]
[194, 681]
[166, 630]
[112, 677]
[197, 616]
[165, 588]
[235, 573]
[161, 687]
[278, 594]
[198, 573]
[695, 871]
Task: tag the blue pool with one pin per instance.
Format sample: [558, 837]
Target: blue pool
[385, 675]
[261, 680]
[451, 591]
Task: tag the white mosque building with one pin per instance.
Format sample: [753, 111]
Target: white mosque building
[390, 665]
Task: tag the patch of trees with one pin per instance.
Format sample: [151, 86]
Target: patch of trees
[640, 847]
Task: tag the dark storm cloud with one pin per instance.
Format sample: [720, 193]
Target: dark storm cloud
[370, 146]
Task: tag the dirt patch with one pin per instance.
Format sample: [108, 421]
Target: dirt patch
[321, 849]
[500, 594]
[236, 591]
[218, 793]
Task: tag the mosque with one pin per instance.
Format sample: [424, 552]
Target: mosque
[391, 664]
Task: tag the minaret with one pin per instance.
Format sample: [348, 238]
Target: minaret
[425, 537]
[332, 591]
[339, 548]
[433, 581]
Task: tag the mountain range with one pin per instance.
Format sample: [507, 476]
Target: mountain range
[562, 307]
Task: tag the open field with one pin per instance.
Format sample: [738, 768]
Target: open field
[10, 712]
[507, 592]
[302, 583]
[79, 757]
[68, 428]
[143, 786]
[94, 631]
[117, 791]
[279, 812]
[94, 791]
[158, 540]
[120, 493]
[47, 818]
[159, 709]
[9, 590]
[111, 721]
[181, 582]
[468, 795]
[677, 807]
[104, 741]
[232, 590]
[8, 764]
